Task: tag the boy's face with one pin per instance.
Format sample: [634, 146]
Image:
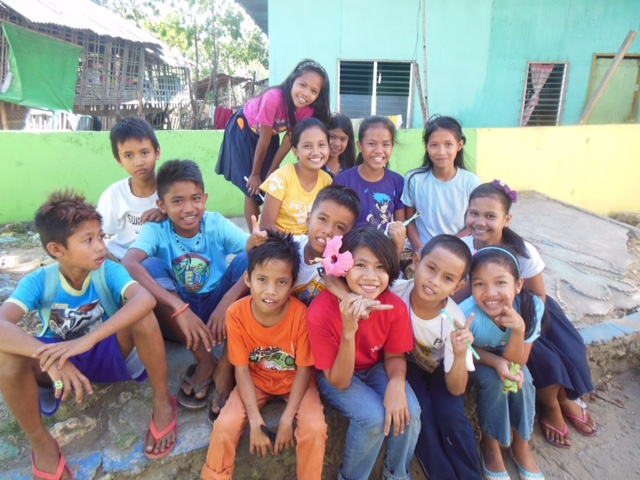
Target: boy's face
[270, 285]
[184, 204]
[85, 248]
[138, 158]
[327, 220]
[438, 276]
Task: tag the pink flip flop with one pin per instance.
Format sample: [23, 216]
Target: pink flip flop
[62, 467]
[158, 435]
[576, 421]
[562, 433]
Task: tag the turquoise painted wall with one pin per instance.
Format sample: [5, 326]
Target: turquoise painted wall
[477, 50]
[33, 165]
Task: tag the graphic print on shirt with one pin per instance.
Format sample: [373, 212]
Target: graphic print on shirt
[273, 358]
[192, 271]
[379, 214]
[308, 291]
[134, 220]
[421, 355]
[69, 324]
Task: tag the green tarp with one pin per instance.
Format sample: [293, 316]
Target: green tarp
[42, 71]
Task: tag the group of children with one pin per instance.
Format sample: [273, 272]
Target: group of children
[394, 356]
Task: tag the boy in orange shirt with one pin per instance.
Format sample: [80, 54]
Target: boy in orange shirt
[269, 348]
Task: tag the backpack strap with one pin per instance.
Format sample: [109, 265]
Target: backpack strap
[99, 278]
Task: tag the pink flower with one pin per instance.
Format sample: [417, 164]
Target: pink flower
[334, 262]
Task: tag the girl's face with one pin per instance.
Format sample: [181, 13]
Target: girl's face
[485, 220]
[438, 275]
[442, 148]
[312, 150]
[306, 88]
[338, 141]
[376, 146]
[367, 277]
[493, 286]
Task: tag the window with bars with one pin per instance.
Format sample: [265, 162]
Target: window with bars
[375, 88]
[544, 94]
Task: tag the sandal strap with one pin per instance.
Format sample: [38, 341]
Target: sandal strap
[62, 467]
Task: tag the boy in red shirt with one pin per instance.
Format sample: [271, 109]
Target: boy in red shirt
[269, 348]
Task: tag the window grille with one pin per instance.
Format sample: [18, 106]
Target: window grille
[375, 88]
[544, 93]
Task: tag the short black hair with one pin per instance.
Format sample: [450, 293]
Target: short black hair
[379, 244]
[132, 127]
[59, 217]
[178, 171]
[279, 246]
[345, 196]
[452, 244]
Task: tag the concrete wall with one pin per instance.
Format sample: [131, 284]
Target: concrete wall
[477, 50]
[595, 167]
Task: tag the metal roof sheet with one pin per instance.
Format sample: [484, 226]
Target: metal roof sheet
[81, 15]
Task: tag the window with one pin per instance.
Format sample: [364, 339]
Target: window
[375, 88]
[544, 93]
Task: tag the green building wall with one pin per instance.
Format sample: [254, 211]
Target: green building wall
[477, 51]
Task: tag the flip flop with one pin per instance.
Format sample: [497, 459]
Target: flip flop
[524, 474]
[158, 435]
[562, 433]
[212, 415]
[576, 421]
[191, 401]
[62, 467]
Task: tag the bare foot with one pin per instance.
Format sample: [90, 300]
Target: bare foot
[588, 426]
[204, 372]
[163, 415]
[553, 418]
[46, 456]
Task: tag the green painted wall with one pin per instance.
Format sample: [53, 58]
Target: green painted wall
[477, 50]
[33, 165]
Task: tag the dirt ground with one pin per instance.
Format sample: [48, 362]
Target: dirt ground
[612, 454]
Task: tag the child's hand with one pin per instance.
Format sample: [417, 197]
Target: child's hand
[72, 380]
[396, 407]
[258, 237]
[48, 353]
[502, 367]
[153, 215]
[397, 232]
[253, 184]
[460, 337]
[509, 318]
[259, 441]
[284, 438]
[194, 331]
[362, 308]
[349, 321]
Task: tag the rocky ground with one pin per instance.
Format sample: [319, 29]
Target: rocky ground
[612, 454]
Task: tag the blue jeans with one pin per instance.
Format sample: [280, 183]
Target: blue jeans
[499, 413]
[446, 446]
[362, 404]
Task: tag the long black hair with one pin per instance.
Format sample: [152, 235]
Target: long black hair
[369, 122]
[341, 121]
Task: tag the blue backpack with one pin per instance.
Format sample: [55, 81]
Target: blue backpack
[52, 283]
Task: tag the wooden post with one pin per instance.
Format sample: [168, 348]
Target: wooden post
[423, 105]
[3, 116]
[608, 76]
[424, 95]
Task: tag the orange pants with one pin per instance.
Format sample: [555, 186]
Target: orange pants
[310, 434]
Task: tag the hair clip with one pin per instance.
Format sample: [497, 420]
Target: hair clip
[313, 64]
[503, 187]
[334, 262]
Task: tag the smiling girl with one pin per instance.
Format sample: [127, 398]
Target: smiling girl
[342, 145]
[379, 188]
[440, 188]
[361, 362]
[291, 190]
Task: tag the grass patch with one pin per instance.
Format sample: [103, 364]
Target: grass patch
[126, 440]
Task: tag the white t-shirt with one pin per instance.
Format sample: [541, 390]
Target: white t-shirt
[121, 211]
[529, 267]
[443, 204]
[431, 334]
[309, 283]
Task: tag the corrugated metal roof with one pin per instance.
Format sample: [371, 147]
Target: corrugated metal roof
[259, 11]
[81, 15]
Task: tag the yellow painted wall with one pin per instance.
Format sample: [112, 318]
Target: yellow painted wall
[593, 167]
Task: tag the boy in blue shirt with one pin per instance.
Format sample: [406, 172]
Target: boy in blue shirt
[88, 334]
[129, 203]
[183, 263]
